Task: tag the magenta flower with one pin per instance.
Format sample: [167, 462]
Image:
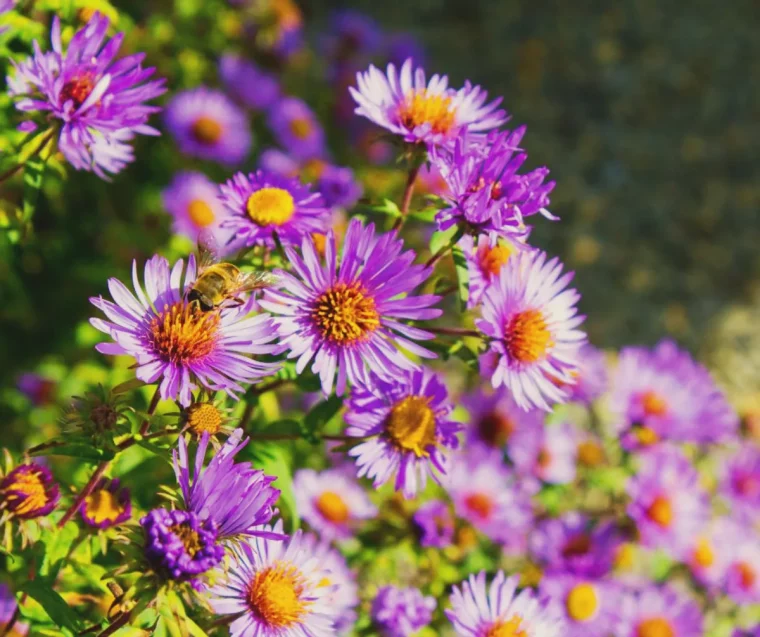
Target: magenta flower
[656, 611]
[435, 523]
[97, 104]
[251, 86]
[348, 316]
[740, 483]
[591, 607]
[591, 378]
[401, 612]
[742, 572]
[297, 129]
[28, 491]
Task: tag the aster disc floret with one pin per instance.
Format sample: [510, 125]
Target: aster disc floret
[276, 588]
[409, 429]
[401, 612]
[297, 128]
[485, 191]
[531, 321]
[740, 483]
[435, 523]
[97, 103]
[28, 491]
[499, 610]
[107, 505]
[485, 259]
[590, 606]
[234, 497]
[430, 112]
[263, 204]
[657, 611]
[174, 341]
[349, 316]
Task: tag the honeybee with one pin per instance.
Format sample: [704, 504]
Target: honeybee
[220, 282]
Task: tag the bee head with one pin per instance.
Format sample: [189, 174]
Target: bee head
[193, 296]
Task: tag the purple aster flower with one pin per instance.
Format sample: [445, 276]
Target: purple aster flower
[663, 394]
[7, 611]
[352, 33]
[276, 589]
[571, 544]
[590, 606]
[253, 87]
[348, 316]
[430, 181]
[408, 426]
[5, 7]
[38, 389]
[28, 491]
[484, 263]
[485, 494]
[555, 461]
[264, 203]
[530, 317]
[399, 612]
[435, 523]
[709, 553]
[297, 129]
[478, 610]
[591, 378]
[667, 504]
[332, 502]
[657, 612]
[406, 104]
[108, 505]
[173, 340]
[179, 545]
[486, 193]
[740, 483]
[96, 100]
[207, 124]
[747, 632]
[234, 497]
[742, 574]
[193, 201]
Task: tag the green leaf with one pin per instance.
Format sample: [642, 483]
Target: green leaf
[442, 239]
[319, 415]
[463, 276]
[55, 606]
[59, 542]
[386, 207]
[34, 172]
[272, 460]
[79, 450]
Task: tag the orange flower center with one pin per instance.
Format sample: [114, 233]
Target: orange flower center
[590, 453]
[78, 89]
[275, 595]
[490, 260]
[509, 628]
[204, 417]
[332, 507]
[411, 425]
[653, 404]
[419, 108]
[747, 575]
[200, 213]
[748, 485]
[320, 242]
[103, 506]
[480, 504]
[182, 333]
[661, 511]
[345, 314]
[646, 436]
[25, 493]
[206, 130]
[544, 458]
[527, 338]
[704, 555]
[655, 627]
[300, 127]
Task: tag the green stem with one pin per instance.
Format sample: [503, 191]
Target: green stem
[12, 171]
[406, 199]
[151, 408]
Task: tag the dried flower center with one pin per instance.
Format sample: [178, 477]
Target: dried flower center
[103, 506]
[496, 428]
[411, 425]
[345, 314]
[200, 213]
[544, 459]
[182, 333]
[590, 453]
[103, 416]
[582, 602]
[25, 492]
[275, 595]
[704, 555]
[420, 108]
[747, 575]
[204, 417]
[509, 628]
[653, 404]
[527, 338]
[189, 538]
[661, 511]
[270, 207]
[492, 259]
[78, 89]
[332, 507]
[206, 130]
[301, 127]
[480, 504]
[655, 627]
[646, 436]
[577, 546]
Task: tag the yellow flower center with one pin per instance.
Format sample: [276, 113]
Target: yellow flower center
[206, 130]
[653, 404]
[624, 556]
[582, 602]
[189, 538]
[275, 595]
[496, 428]
[313, 169]
[182, 333]
[544, 458]
[300, 127]
[527, 338]
[102, 506]
[26, 492]
[747, 575]
[492, 259]
[332, 507]
[646, 436]
[419, 108]
[78, 89]
[271, 206]
[345, 315]
[204, 417]
[509, 628]
[704, 555]
[320, 242]
[661, 511]
[411, 425]
[577, 546]
[655, 627]
[480, 504]
[590, 453]
[200, 213]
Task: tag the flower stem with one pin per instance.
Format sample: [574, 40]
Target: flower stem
[120, 621]
[257, 391]
[12, 171]
[454, 331]
[151, 408]
[406, 200]
[438, 255]
[11, 622]
[86, 491]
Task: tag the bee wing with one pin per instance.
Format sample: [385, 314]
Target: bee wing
[249, 281]
[209, 250]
